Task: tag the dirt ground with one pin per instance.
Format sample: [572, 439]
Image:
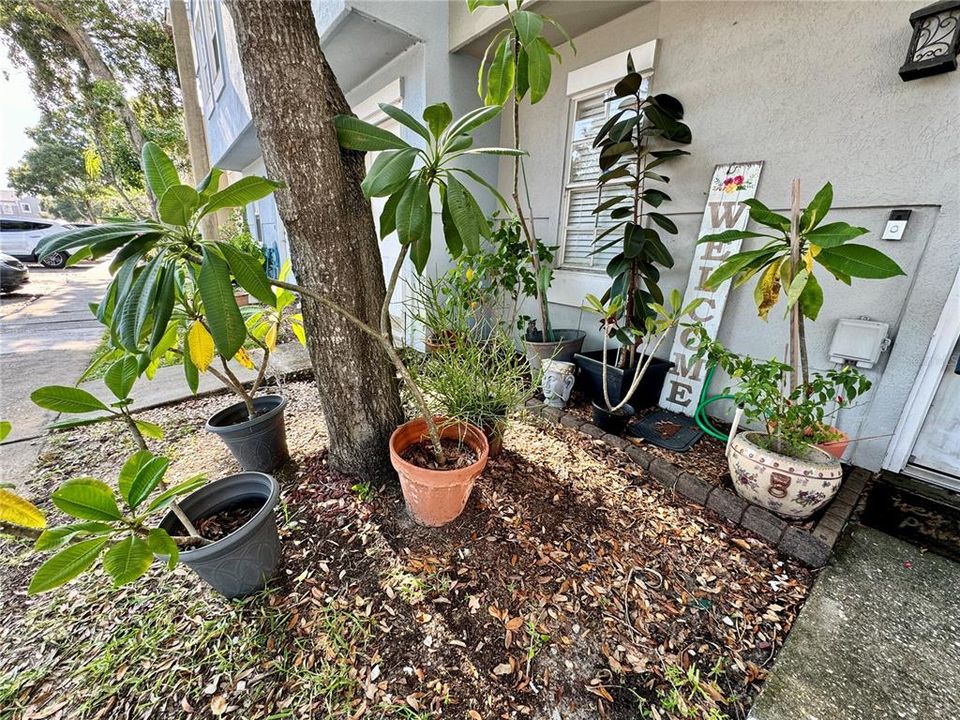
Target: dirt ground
[571, 587]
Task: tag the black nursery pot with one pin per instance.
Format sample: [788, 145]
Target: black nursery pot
[259, 445]
[620, 380]
[241, 563]
[613, 423]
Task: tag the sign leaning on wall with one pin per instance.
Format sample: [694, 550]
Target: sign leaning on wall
[730, 186]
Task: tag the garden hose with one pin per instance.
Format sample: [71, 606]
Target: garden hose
[703, 420]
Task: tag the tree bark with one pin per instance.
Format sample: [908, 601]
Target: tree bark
[294, 96]
[99, 69]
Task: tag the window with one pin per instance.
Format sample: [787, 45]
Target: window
[25, 207]
[580, 226]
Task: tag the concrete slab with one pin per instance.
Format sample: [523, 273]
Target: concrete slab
[878, 639]
[47, 334]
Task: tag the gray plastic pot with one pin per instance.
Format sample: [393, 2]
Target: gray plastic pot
[241, 563]
[566, 345]
[259, 445]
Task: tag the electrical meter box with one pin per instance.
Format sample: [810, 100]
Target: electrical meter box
[859, 341]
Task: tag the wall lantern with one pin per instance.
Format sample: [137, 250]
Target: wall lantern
[935, 42]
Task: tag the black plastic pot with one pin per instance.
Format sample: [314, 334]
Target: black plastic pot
[619, 381]
[613, 423]
[241, 563]
[259, 445]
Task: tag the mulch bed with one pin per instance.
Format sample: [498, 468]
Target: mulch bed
[570, 588]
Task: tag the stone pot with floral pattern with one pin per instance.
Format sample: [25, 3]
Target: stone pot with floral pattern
[792, 487]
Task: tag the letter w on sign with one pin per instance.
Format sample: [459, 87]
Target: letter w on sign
[730, 185]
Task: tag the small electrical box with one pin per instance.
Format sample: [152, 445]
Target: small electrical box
[896, 225]
[859, 341]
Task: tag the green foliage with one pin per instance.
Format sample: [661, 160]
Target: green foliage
[168, 281]
[795, 418]
[519, 56]
[686, 695]
[476, 380]
[121, 536]
[408, 209]
[825, 245]
[626, 164]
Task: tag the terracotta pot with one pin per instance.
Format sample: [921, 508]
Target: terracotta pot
[788, 486]
[436, 497]
[242, 298]
[836, 447]
[494, 434]
[444, 341]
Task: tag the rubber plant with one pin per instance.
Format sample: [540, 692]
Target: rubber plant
[632, 144]
[786, 264]
[520, 65]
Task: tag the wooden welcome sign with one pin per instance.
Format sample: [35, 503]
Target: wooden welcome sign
[730, 186]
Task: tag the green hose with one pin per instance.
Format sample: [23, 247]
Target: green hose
[703, 420]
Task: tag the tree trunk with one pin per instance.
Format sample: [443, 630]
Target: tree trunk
[294, 97]
[98, 67]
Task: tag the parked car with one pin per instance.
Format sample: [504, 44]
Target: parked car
[20, 236]
[13, 273]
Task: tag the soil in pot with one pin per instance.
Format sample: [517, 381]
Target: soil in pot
[219, 525]
[456, 455]
[612, 422]
[563, 347]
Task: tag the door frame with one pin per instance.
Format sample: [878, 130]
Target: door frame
[924, 390]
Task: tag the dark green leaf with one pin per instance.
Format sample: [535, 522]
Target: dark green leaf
[190, 372]
[87, 499]
[66, 565]
[388, 216]
[413, 213]
[158, 169]
[65, 399]
[355, 134]
[664, 222]
[760, 213]
[501, 74]
[860, 261]
[55, 537]
[528, 25]
[210, 184]
[121, 376]
[729, 236]
[811, 299]
[187, 486]
[817, 209]
[629, 84]
[389, 172]
[127, 560]
[244, 191]
[834, 234]
[538, 70]
[732, 265]
[163, 305]
[405, 119]
[160, 543]
[462, 215]
[220, 306]
[438, 117]
[249, 274]
[178, 204]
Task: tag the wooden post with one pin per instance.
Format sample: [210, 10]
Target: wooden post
[794, 269]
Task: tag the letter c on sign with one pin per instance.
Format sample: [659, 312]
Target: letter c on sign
[706, 318]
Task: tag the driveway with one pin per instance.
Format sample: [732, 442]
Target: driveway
[47, 334]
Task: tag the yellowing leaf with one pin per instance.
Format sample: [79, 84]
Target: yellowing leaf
[808, 259]
[767, 291]
[17, 511]
[271, 338]
[200, 345]
[244, 359]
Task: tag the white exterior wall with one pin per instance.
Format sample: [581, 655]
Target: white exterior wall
[812, 90]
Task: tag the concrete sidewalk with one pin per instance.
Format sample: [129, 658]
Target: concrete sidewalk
[878, 639]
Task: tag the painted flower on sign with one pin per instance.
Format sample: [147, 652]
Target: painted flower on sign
[732, 183]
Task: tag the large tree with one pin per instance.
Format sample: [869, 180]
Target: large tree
[294, 97]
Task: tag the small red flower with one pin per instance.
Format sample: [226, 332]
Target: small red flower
[738, 180]
[840, 399]
[728, 181]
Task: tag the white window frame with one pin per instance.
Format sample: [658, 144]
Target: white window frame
[213, 37]
[201, 67]
[572, 283]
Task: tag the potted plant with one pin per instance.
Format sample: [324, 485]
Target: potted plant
[629, 167]
[784, 466]
[613, 415]
[478, 382]
[520, 65]
[235, 556]
[785, 264]
[440, 311]
[172, 290]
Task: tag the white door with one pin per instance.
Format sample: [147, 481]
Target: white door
[936, 454]
[390, 246]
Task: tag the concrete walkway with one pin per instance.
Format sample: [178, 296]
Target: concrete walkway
[878, 639]
[47, 334]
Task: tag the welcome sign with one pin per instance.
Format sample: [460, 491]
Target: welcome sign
[730, 186]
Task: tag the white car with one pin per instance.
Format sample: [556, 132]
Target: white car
[20, 235]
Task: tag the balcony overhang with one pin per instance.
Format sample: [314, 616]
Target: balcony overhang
[357, 45]
[470, 33]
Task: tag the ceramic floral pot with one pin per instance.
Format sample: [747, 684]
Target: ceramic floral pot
[557, 382]
[791, 487]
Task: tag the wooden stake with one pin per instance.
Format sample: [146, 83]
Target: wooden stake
[794, 269]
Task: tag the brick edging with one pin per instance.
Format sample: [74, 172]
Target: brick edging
[811, 547]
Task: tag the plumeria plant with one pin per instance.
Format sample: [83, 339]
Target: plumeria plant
[172, 289]
[114, 524]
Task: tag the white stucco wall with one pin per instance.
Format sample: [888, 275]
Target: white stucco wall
[812, 90]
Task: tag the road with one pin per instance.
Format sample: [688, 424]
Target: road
[47, 334]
